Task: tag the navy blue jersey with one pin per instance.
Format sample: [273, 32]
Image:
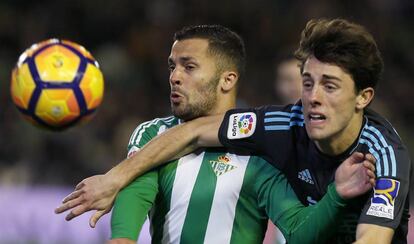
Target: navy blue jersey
[278, 134]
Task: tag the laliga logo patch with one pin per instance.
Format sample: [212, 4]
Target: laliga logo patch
[132, 151]
[241, 125]
[382, 203]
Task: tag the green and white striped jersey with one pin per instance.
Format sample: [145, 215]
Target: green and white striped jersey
[209, 196]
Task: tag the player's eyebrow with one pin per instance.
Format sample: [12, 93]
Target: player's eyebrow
[324, 76]
[181, 59]
[186, 59]
[331, 77]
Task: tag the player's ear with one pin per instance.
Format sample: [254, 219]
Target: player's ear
[228, 80]
[364, 97]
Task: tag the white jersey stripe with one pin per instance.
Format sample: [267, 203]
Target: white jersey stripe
[222, 215]
[185, 177]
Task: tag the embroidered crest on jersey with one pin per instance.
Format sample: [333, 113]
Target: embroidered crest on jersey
[306, 176]
[385, 193]
[241, 125]
[222, 165]
[132, 151]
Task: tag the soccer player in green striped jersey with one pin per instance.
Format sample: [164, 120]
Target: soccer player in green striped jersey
[216, 196]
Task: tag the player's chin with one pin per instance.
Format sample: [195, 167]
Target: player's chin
[180, 113]
[315, 134]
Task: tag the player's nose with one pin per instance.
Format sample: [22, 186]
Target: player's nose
[315, 95]
[175, 77]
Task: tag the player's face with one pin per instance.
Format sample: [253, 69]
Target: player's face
[193, 79]
[329, 101]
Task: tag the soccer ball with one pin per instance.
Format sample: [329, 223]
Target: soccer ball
[57, 84]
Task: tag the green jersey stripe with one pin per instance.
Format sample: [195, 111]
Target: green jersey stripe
[158, 214]
[198, 212]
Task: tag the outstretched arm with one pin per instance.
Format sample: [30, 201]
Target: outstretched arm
[172, 144]
[98, 192]
[316, 224]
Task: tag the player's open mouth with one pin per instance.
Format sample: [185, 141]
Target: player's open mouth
[175, 97]
[316, 117]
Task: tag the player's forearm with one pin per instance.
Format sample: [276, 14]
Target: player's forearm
[369, 233]
[172, 144]
[313, 224]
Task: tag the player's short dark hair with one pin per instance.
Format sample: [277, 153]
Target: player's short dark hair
[227, 45]
[345, 44]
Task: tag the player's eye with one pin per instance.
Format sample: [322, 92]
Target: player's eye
[330, 87]
[307, 84]
[189, 67]
[171, 67]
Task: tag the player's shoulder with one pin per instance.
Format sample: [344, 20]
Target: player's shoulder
[385, 145]
[153, 128]
[157, 123]
[380, 129]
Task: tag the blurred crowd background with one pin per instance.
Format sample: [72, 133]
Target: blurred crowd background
[131, 41]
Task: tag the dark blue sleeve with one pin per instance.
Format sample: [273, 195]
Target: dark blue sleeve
[266, 131]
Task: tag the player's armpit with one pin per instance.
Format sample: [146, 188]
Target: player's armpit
[121, 241]
[369, 233]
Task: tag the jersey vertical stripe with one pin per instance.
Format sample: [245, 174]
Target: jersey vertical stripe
[222, 216]
[197, 219]
[186, 174]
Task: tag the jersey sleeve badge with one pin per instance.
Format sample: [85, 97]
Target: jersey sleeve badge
[241, 125]
[382, 202]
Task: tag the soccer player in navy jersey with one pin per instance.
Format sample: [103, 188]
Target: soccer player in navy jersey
[340, 66]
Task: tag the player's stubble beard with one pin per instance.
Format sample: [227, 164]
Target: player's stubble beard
[205, 100]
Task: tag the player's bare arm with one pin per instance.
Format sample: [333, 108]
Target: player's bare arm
[370, 233]
[98, 192]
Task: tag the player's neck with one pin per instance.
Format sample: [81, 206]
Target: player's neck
[222, 106]
[341, 141]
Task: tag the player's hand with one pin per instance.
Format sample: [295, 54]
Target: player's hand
[94, 193]
[355, 176]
